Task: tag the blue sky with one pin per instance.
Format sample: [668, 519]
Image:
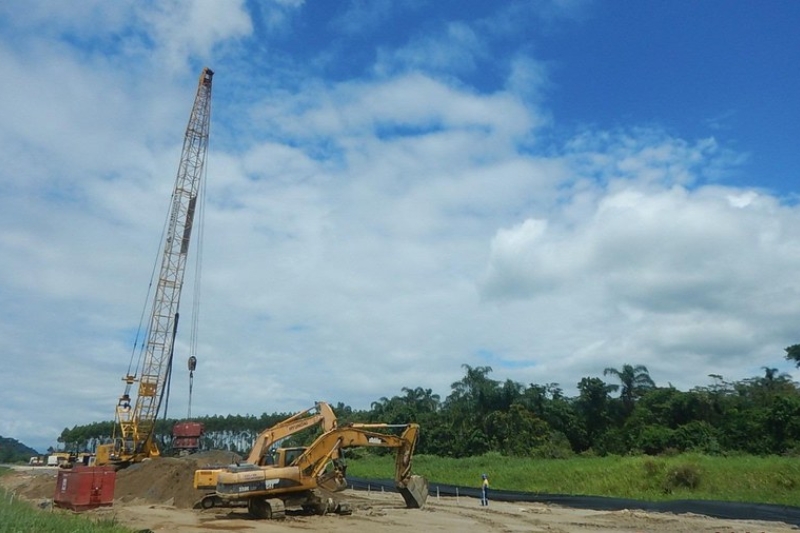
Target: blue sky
[697, 69]
[396, 189]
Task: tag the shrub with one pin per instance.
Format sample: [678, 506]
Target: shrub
[557, 446]
[696, 435]
[683, 476]
[653, 468]
[653, 440]
[792, 450]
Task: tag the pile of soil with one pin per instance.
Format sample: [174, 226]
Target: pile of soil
[168, 480]
[164, 480]
[32, 483]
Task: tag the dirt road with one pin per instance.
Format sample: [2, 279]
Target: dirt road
[385, 513]
[378, 512]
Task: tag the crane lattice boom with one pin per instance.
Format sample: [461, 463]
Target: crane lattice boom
[136, 423]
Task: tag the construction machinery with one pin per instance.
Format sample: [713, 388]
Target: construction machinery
[60, 459]
[321, 414]
[186, 438]
[133, 438]
[307, 478]
[186, 435]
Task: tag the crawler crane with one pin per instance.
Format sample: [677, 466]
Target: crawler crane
[133, 438]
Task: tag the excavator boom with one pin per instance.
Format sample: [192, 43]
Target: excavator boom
[324, 416]
[313, 461]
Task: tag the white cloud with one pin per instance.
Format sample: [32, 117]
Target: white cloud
[657, 273]
[455, 50]
[182, 30]
[366, 234]
[413, 104]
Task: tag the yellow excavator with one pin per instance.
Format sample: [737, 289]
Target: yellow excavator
[306, 478]
[321, 414]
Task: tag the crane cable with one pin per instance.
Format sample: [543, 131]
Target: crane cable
[198, 271]
[147, 303]
[200, 213]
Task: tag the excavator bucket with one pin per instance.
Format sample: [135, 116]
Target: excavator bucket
[332, 481]
[415, 492]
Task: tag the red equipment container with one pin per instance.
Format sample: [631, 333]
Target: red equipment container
[85, 487]
[186, 436]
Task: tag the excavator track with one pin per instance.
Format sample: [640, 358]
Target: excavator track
[266, 508]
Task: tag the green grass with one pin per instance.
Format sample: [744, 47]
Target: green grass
[749, 479]
[20, 516]
[774, 480]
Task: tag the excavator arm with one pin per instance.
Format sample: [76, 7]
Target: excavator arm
[414, 489]
[324, 417]
[313, 462]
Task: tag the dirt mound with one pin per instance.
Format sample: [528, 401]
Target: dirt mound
[163, 480]
[167, 480]
[33, 484]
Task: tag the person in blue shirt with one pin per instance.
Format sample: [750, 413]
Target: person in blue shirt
[485, 491]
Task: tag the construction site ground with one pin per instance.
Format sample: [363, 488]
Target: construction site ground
[157, 496]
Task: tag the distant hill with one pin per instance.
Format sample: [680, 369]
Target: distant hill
[13, 451]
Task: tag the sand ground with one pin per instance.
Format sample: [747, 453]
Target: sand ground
[157, 498]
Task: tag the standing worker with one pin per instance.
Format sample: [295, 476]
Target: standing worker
[485, 491]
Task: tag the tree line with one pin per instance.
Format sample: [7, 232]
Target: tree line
[623, 412]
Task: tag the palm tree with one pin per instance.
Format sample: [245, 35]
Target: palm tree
[793, 354]
[380, 407]
[773, 375]
[475, 390]
[421, 400]
[475, 379]
[775, 381]
[635, 381]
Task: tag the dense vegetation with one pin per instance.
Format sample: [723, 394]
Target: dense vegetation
[13, 451]
[626, 415]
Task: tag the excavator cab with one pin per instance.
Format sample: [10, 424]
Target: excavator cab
[280, 457]
[287, 456]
